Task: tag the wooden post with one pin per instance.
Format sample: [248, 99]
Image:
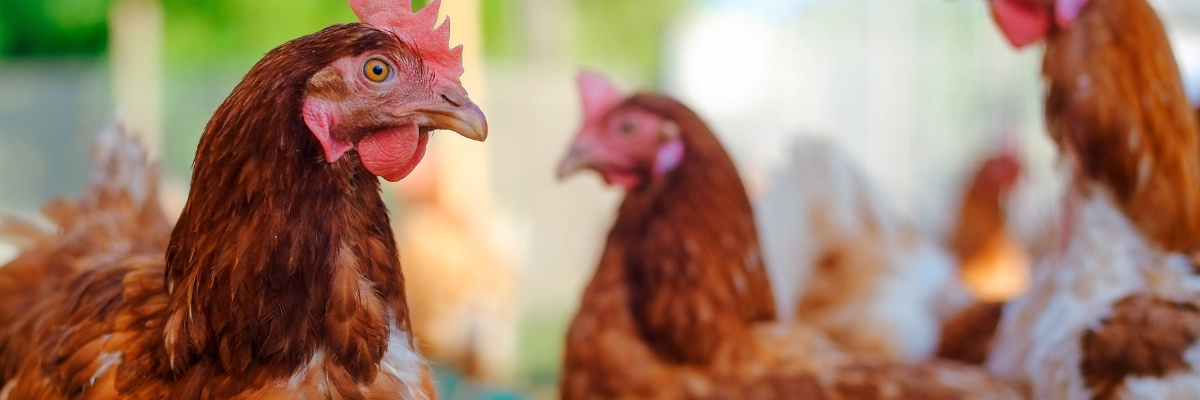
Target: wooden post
[135, 57]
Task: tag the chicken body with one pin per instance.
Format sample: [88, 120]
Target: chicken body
[1112, 312]
[857, 270]
[681, 306]
[281, 278]
[848, 264]
[117, 216]
[993, 263]
[462, 294]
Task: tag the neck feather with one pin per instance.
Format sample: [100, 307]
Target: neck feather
[1115, 103]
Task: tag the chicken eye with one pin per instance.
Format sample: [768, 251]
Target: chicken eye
[628, 128]
[376, 70]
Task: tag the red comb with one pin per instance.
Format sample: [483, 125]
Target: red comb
[418, 29]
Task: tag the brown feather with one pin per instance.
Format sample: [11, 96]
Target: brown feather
[968, 336]
[1145, 336]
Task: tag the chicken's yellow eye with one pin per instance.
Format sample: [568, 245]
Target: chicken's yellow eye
[376, 70]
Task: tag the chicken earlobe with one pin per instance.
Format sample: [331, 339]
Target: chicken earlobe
[667, 158]
[320, 116]
[1065, 11]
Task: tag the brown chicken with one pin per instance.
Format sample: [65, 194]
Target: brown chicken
[281, 278]
[1112, 313]
[681, 306]
[993, 264]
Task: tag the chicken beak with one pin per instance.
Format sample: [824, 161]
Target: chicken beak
[466, 119]
[576, 160]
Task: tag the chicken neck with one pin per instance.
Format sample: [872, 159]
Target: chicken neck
[1116, 106]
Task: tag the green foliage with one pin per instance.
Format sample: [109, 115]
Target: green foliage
[53, 27]
[6, 36]
[624, 31]
[239, 31]
[500, 31]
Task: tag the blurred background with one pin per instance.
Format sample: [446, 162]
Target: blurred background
[916, 91]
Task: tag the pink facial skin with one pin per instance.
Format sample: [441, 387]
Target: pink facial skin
[1025, 22]
[625, 145]
[391, 152]
[387, 114]
[387, 122]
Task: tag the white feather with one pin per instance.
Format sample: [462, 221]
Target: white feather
[1105, 260]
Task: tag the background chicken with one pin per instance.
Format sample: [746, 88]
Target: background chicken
[1112, 312]
[281, 278]
[993, 262]
[849, 264]
[462, 292]
[844, 261]
[681, 304]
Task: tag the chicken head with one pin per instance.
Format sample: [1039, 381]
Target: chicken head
[384, 103]
[627, 145]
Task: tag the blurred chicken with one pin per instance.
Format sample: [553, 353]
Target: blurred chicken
[462, 295]
[681, 305]
[281, 278]
[849, 264]
[1114, 312]
[993, 263]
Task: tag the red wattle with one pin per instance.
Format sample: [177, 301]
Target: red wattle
[1021, 22]
[393, 153]
[625, 180]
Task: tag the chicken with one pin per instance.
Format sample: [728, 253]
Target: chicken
[281, 277]
[992, 262]
[869, 279]
[681, 304]
[1112, 312]
[462, 293]
[851, 266]
[981, 241]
